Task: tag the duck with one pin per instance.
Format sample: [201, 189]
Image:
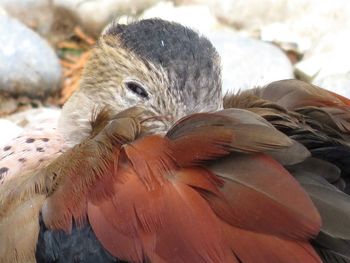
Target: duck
[150, 162]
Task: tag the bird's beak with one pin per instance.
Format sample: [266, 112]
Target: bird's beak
[149, 121]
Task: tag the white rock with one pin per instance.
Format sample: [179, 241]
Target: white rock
[204, 21]
[306, 20]
[94, 15]
[327, 58]
[249, 62]
[339, 83]
[28, 64]
[308, 24]
[2, 11]
[36, 14]
[322, 65]
[36, 118]
[245, 13]
[284, 36]
[334, 41]
[9, 131]
[314, 19]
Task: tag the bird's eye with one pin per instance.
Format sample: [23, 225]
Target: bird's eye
[137, 89]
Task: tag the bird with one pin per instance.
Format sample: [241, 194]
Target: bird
[151, 163]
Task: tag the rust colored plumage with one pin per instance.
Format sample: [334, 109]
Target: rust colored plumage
[164, 198]
[169, 211]
[146, 201]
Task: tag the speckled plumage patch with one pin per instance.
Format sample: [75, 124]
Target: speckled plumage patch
[29, 151]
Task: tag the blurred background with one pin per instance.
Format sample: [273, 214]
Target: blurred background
[44, 45]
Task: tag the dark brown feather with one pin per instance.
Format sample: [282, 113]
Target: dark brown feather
[319, 120]
[260, 193]
[161, 205]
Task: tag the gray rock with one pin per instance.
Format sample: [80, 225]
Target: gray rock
[339, 83]
[9, 131]
[28, 65]
[36, 14]
[93, 15]
[249, 62]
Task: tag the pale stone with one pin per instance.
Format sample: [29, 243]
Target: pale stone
[204, 21]
[322, 65]
[29, 66]
[249, 62]
[338, 83]
[329, 57]
[303, 22]
[94, 15]
[36, 14]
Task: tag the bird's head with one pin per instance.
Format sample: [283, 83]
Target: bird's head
[165, 67]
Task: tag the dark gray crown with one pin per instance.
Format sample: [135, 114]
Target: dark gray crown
[190, 59]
